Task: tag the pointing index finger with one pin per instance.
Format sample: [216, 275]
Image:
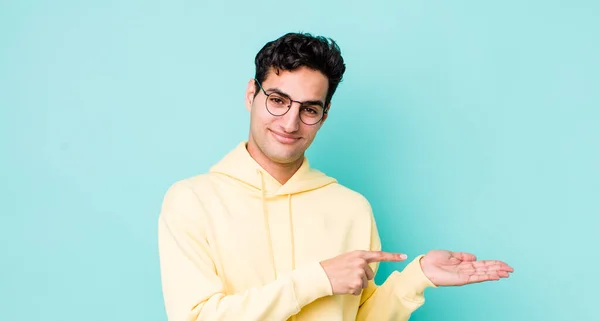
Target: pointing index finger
[381, 256]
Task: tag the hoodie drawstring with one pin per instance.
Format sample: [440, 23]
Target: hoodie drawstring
[292, 231]
[267, 226]
[293, 318]
[268, 229]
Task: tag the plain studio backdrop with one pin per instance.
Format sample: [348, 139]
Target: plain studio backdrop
[469, 125]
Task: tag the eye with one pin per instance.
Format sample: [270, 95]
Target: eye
[277, 100]
[311, 110]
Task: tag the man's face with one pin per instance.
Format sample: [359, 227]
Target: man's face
[284, 139]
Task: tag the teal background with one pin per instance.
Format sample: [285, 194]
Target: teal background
[469, 125]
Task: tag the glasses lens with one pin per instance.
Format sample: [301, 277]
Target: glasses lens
[278, 104]
[311, 114]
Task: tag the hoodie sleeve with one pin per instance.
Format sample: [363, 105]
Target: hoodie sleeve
[399, 296]
[192, 290]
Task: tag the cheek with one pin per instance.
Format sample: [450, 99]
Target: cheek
[310, 133]
[262, 123]
[258, 118]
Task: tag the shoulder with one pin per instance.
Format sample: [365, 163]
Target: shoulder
[186, 193]
[352, 209]
[349, 198]
[343, 192]
[197, 184]
[184, 202]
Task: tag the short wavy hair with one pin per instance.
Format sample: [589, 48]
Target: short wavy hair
[294, 50]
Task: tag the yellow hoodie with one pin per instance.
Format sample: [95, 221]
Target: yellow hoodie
[235, 244]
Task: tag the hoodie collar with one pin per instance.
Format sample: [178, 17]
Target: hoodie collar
[239, 165]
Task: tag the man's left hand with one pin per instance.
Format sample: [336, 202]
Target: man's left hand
[446, 268]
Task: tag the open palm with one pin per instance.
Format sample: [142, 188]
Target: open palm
[446, 268]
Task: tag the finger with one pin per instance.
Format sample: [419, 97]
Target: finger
[365, 283]
[482, 278]
[369, 272]
[473, 272]
[484, 267]
[503, 274]
[464, 256]
[492, 264]
[507, 267]
[499, 267]
[380, 256]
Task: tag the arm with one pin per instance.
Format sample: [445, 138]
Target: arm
[399, 296]
[192, 289]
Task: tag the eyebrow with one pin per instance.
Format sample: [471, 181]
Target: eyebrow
[308, 102]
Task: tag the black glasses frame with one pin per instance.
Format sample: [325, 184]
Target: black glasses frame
[289, 106]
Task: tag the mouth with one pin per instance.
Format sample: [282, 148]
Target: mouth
[284, 138]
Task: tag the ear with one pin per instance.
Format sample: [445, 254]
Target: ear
[250, 91]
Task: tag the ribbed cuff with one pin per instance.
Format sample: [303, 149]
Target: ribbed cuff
[310, 283]
[412, 282]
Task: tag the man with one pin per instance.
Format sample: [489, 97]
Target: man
[263, 236]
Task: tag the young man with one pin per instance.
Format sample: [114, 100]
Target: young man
[263, 236]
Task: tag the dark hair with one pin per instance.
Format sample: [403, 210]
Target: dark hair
[294, 50]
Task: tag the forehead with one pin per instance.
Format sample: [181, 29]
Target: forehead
[300, 84]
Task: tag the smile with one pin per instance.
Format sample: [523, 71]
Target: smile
[283, 138]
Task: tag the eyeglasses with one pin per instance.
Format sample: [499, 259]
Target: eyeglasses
[278, 104]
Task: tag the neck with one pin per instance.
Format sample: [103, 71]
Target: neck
[281, 172]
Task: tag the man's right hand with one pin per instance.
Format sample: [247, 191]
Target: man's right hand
[349, 273]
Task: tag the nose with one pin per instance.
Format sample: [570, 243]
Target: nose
[291, 120]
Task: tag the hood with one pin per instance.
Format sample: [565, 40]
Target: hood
[239, 165]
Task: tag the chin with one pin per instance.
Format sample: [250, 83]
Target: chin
[285, 157]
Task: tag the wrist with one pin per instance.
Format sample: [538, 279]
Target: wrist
[425, 269]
